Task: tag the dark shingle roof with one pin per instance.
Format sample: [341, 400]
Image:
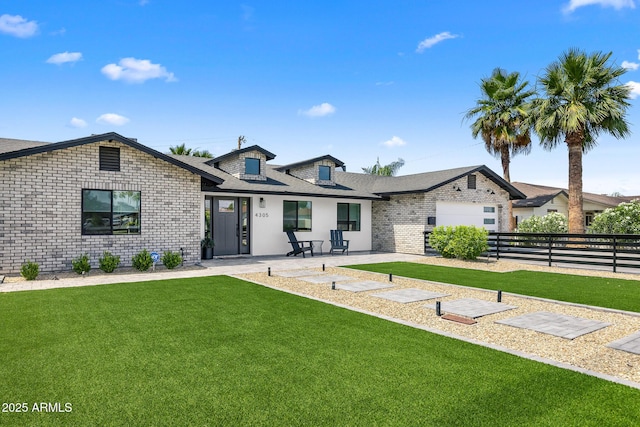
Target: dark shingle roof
[421, 182]
[337, 162]
[268, 154]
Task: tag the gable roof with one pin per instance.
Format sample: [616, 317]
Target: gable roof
[539, 195]
[422, 182]
[234, 153]
[31, 148]
[337, 162]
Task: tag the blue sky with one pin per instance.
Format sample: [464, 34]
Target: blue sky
[355, 79]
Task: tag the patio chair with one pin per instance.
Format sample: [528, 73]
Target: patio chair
[298, 246]
[338, 243]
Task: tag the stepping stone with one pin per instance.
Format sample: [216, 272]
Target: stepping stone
[471, 307]
[630, 343]
[559, 325]
[297, 273]
[409, 295]
[367, 285]
[326, 278]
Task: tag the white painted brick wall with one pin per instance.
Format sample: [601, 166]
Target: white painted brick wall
[398, 224]
[40, 207]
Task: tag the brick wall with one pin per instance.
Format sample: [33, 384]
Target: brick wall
[236, 166]
[311, 172]
[40, 215]
[398, 224]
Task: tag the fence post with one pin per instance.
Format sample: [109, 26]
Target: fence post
[615, 247]
[549, 236]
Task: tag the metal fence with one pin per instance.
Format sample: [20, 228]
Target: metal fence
[603, 250]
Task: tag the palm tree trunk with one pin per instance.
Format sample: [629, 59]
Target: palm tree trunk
[576, 214]
[506, 161]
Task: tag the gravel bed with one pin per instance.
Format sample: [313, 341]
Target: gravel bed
[587, 351]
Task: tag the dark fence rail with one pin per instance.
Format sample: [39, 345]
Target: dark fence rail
[603, 250]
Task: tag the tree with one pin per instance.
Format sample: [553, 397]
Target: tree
[582, 99]
[623, 219]
[501, 120]
[388, 170]
[182, 150]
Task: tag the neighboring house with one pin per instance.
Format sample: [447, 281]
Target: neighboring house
[542, 200]
[111, 193]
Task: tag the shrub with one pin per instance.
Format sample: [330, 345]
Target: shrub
[30, 270]
[553, 222]
[109, 262]
[623, 219]
[171, 259]
[142, 260]
[81, 264]
[464, 242]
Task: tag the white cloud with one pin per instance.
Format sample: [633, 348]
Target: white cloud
[78, 123]
[385, 83]
[321, 110]
[61, 58]
[394, 142]
[616, 4]
[630, 65]
[133, 70]
[16, 25]
[635, 89]
[143, 2]
[112, 119]
[431, 41]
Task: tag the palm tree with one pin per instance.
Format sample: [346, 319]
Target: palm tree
[582, 98]
[202, 153]
[501, 120]
[181, 150]
[388, 170]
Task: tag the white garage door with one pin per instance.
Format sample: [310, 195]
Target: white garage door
[459, 213]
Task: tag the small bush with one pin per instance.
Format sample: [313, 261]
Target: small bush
[30, 270]
[109, 262]
[171, 259]
[142, 260]
[463, 242]
[81, 264]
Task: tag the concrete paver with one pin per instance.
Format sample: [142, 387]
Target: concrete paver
[629, 343]
[471, 307]
[365, 285]
[409, 295]
[559, 325]
[298, 273]
[327, 278]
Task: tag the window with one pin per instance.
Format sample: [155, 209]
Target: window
[489, 221]
[252, 166]
[296, 216]
[324, 173]
[109, 159]
[489, 209]
[471, 182]
[349, 216]
[110, 212]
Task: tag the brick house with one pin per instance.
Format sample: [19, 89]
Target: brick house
[111, 193]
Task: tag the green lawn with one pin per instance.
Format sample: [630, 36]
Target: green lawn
[220, 351]
[619, 294]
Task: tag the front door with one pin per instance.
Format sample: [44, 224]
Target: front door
[229, 213]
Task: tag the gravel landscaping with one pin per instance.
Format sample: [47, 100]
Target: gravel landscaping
[588, 351]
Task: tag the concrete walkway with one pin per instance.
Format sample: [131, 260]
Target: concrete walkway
[218, 266]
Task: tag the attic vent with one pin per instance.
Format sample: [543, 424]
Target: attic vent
[471, 182]
[110, 159]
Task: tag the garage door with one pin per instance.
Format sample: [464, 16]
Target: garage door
[459, 213]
